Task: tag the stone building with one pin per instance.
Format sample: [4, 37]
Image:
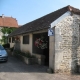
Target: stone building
[63, 51]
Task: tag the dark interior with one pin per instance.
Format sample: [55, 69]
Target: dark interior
[40, 51]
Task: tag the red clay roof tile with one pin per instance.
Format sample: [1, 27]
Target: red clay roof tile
[8, 22]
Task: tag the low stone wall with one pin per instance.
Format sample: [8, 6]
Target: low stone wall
[40, 59]
[26, 60]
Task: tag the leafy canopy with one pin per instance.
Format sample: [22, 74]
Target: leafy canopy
[7, 30]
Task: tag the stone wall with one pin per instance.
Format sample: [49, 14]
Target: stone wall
[67, 44]
[52, 52]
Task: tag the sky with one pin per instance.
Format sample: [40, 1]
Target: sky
[28, 10]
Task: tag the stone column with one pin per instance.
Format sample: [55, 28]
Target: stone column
[52, 51]
[66, 45]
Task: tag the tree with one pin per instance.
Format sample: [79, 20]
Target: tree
[5, 30]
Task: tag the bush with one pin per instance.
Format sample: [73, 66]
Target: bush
[27, 54]
[6, 45]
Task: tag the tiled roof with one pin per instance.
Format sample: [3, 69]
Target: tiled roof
[43, 22]
[8, 22]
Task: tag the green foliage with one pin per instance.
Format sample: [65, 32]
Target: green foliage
[6, 45]
[3, 39]
[27, 54]
[8, 31]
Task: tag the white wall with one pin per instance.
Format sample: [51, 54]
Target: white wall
[26, 47]
[11, 44]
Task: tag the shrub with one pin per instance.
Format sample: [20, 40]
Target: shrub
[17, 52]
[6, 45]
[27, 54]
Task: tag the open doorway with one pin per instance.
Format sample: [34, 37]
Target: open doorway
[43, 47]
[46, 53]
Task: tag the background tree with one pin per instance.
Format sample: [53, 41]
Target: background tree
[5, 30]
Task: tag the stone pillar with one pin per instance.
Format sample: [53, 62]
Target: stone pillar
[67, 45]
[52, 51]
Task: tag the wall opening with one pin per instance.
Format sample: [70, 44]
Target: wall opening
[41, 46]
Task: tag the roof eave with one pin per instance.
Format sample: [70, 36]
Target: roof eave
[27, 32]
